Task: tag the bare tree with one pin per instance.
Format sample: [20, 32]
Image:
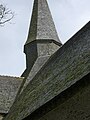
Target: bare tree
[6, 14]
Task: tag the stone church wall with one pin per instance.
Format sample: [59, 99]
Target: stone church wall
[75, 108]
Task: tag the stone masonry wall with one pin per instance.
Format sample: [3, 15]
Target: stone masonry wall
[75, 108]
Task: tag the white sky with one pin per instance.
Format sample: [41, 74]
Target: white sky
[69, 16]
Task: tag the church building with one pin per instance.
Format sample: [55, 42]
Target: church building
[56, 82]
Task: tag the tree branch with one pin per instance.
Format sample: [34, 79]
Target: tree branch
[6, 15]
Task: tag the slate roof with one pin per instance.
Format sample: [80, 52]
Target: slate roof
[36, 67]
[42, 26]
[8, 89]
[67, 66]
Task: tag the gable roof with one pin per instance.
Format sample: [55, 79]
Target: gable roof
[8, 89]
[81, 86]
[67, 66]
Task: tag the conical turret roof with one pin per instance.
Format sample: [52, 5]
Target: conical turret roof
[42, 26]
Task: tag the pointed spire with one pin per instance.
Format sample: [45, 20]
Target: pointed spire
[42, 26]
[42, 39]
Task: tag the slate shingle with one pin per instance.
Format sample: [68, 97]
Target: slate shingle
[8, 89]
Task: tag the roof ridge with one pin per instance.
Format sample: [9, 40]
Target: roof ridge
[11, 76]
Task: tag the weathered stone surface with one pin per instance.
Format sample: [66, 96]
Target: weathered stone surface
[36, 67]
[42, 26]
[46, 48]
[36, 50]
[42, 37]
[42, 40]
[67, 66]
[44, 51]
[9, 87]
[73, 103]
[76, 107]
[1, 117]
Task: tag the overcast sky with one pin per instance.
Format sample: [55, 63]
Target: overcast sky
[69, 16]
